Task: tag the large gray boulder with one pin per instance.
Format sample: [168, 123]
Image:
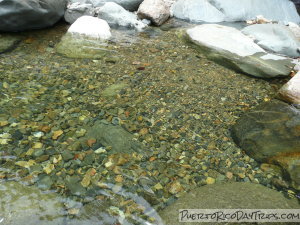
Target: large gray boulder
[196, 11]
[20, 204]
[231, 10]
[16, 15]
[275, 38]
[230, 47]
[227, 196]
[271, 133]
[117, 16]
[278, 10]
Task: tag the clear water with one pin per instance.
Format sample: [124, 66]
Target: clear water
[175, 102]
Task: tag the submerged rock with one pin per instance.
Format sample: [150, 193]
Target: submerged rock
[230, 47]
[157, 11]
[271, 133]
[86, 38]
[76, 10]
[8, 42]
[20, 204]
[228, 196]
[116, 15]
[16, 15]
[115, 137]
[196, 11]
[291, 90]
[275, 38]
[113, 90]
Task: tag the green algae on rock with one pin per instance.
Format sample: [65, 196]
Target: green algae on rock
[75, 46]
[86, 38]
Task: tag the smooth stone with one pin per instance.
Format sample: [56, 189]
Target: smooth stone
[67, 155]
[73, 184]
[155, 10]
[90, 27]
[20, 204]
[231, 48]
[233, 195]
[76, 10]
[290, 92]
[270, 133]
[196, 11]
[86, 38]
[119, 139]
[275, 38]
[117, 16]
[8, 42]
[114, 89]
[16, 15]
[45, 183]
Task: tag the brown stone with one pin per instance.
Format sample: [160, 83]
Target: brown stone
[291, 90]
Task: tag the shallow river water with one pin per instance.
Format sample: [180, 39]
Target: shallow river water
[177, 104]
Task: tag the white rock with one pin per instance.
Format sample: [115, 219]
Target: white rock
[91, 27]
[230, 47]
[277, 10]
[275, 38]
[225, 38]
[272, 57]
[155, 10]
[196, 11]
[295, 29]
[76, 10]
[116, 15]
[291, 90]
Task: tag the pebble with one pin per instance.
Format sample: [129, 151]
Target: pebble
[210, 180]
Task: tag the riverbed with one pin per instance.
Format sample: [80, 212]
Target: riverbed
[177, 104]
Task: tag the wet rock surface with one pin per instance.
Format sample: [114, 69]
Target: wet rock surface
[228, 196]
[270, 133]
